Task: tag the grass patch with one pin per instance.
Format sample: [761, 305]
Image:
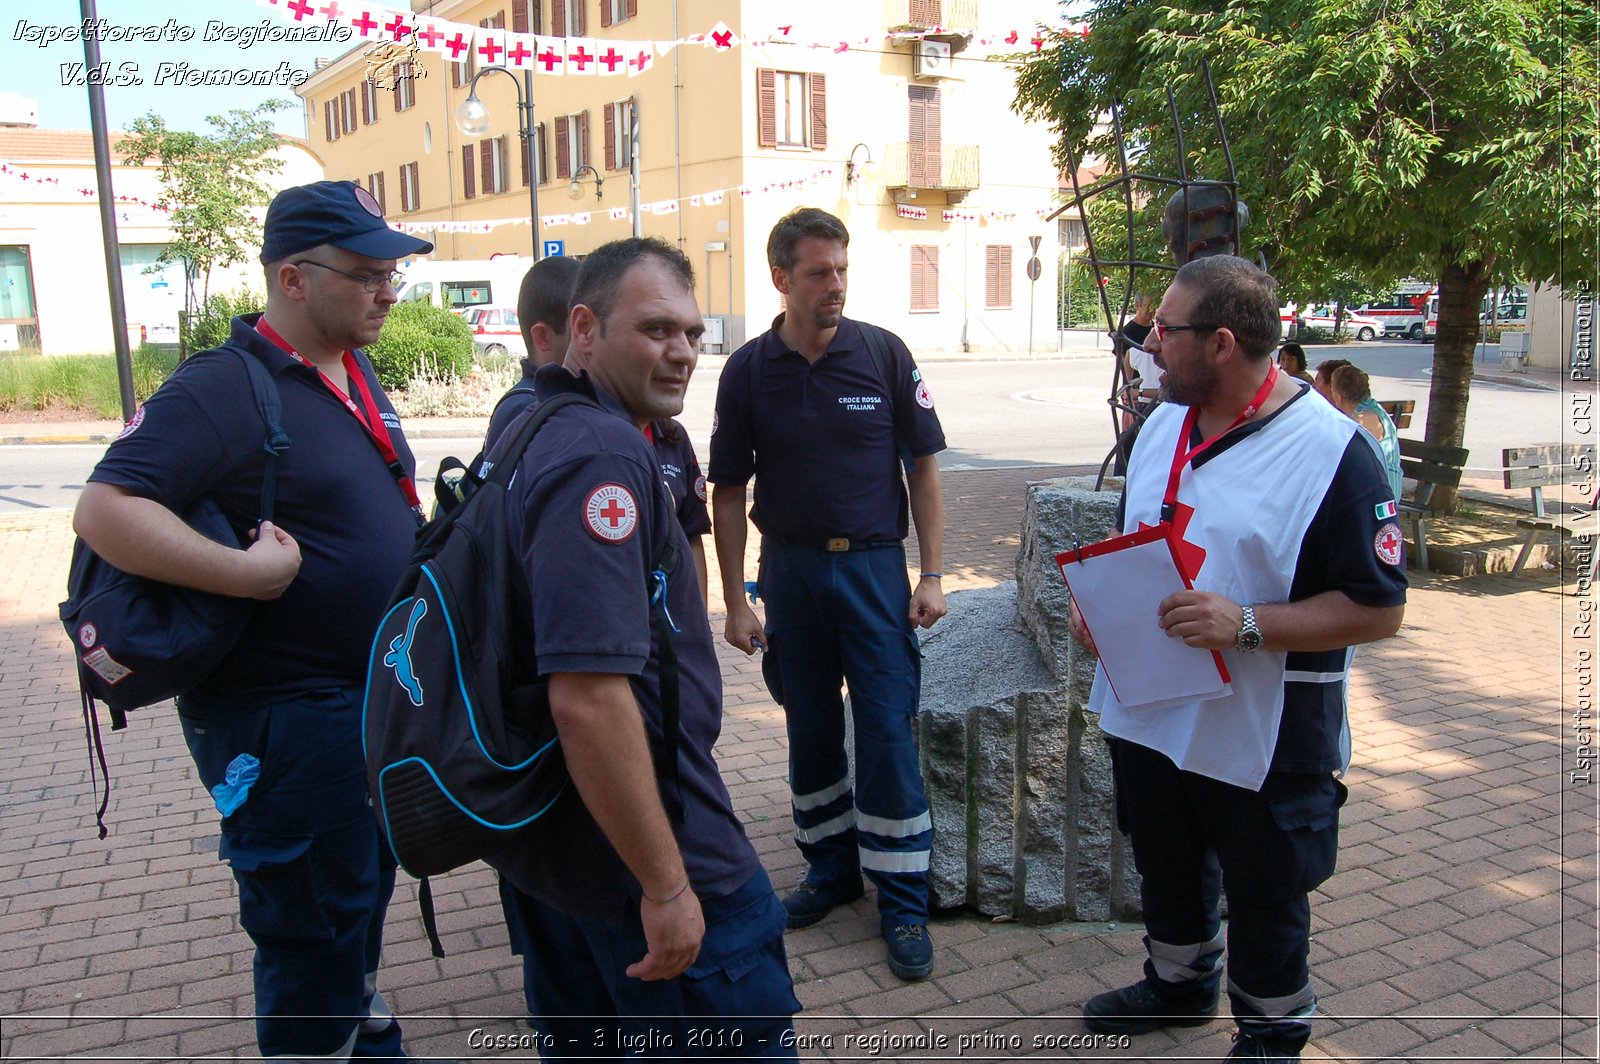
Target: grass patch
[31, 381]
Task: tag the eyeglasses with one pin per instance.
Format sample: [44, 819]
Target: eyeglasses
[371, 283]
[1161, 329]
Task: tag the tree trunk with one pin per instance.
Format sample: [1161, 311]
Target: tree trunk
[1461, 289]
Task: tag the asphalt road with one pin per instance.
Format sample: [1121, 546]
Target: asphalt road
[995, 413]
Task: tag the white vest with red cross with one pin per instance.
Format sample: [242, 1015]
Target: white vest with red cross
[1247, 508]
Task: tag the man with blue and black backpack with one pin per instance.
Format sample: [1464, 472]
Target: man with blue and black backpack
[652, 923]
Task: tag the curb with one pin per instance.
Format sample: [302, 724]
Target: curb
[80, 438]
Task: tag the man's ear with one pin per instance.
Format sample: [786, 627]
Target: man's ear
[541, 335]
[1227, 346]
[584, 328]
[780, 279]
[291, 280]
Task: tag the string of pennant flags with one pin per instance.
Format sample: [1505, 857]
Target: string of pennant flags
[713, 198]
[590, 56]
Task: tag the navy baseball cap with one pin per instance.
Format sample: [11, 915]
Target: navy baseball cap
[341, 213]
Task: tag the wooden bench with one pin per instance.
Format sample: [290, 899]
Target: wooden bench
[1535, 466]
[1399, 411]
[1432, 466]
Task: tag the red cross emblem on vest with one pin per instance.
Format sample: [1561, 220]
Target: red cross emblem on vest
[611, 514]
[1388, 544]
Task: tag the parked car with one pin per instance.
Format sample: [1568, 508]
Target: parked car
[1321, 317]
[495, 330]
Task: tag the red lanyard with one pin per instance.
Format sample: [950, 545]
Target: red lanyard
[1182, 457]
[371, 420]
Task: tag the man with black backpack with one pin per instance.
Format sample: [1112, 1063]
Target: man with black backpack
[824, 411]
[653, 923]
[275, 731]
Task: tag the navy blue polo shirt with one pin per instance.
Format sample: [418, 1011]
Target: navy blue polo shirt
[1339, 552]
[201, 435]
[822, 439]
[680, 469]
[587, 512]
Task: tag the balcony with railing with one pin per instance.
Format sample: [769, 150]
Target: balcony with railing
[910, 169]
[947, 17]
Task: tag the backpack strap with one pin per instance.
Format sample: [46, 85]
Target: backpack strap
[519, 389]
[883, 368]
[265, 391]
[665, 559]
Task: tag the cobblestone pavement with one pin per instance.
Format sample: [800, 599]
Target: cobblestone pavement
[1461, 924]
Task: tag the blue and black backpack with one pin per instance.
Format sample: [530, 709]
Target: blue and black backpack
[463, 759]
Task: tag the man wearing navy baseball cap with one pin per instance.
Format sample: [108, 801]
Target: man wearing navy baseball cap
[275, 731]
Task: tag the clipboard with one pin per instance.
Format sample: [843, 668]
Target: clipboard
[1118, 584]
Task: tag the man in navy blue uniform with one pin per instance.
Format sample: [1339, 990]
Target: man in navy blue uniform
[823, 411]
[314, 877]
[1285, 522]
[543, 305]
[651, 922]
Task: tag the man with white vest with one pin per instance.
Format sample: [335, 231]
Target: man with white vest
[1285, 522]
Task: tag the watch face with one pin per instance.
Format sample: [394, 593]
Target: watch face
[1249, 640]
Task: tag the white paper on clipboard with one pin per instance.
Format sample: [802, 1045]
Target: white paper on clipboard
[1118, 585]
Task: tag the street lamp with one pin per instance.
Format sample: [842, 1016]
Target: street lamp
[472, 118]
[575, 190]
[854, 171]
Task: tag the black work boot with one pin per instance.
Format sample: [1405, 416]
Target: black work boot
[1145, 1006]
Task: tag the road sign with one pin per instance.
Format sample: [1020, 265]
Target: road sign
[1033, 242]
[554, 249]
[1034, 268]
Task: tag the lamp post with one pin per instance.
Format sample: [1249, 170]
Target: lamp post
[472, 118]
[575, 190]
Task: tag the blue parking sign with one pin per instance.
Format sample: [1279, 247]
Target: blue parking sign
[554, 249]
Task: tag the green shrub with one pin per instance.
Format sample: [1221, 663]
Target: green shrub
[1311, 334]
[210, 325]
[421, 340]
[151, 366]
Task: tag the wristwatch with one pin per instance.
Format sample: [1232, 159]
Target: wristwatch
[1248, 641]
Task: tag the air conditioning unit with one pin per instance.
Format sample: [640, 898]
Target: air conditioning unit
[931, 59]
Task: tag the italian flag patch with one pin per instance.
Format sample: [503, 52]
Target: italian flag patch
[1385, 509]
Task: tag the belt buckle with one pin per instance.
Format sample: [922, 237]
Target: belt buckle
[838, 543]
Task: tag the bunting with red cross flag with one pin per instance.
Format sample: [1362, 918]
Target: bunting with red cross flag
[583, 55]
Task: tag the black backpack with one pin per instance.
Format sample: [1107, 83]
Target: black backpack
[138, 641]
[462, 753]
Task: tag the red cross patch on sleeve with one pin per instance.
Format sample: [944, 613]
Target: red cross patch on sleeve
[611, 514]
[1387, 544]
[924, 397]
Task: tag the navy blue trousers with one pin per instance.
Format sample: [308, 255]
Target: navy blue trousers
[736, 1000]
[314, 875]
[1194, 837]
[836, 619]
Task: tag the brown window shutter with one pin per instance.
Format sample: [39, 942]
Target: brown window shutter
[486, 166]
[767, 108]
[583, 140]
[632, 8]
[400, 70]
[611, 135]
[1005, 277]
[468, 186]
[933, 119]
[527, 161]
[924, 277]
[536, 16]
[383, 202]
[581, 22]
[416, 187]
[819, 111]
[605, 12]
[991, 276]
[498, 22]
[519, 16]
[543, 171]
[558, 18]
[563, 148]
[366, 105]
[327, 120]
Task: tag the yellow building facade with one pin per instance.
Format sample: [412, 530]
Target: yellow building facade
[893, 114]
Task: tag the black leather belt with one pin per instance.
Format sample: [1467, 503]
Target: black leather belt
[836, 544]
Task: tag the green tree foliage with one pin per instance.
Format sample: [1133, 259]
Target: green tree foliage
[1448, 139]
[214, 184]
[211, 324]
[420, 340]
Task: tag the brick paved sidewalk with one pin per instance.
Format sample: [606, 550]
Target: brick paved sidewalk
[1461, 924]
